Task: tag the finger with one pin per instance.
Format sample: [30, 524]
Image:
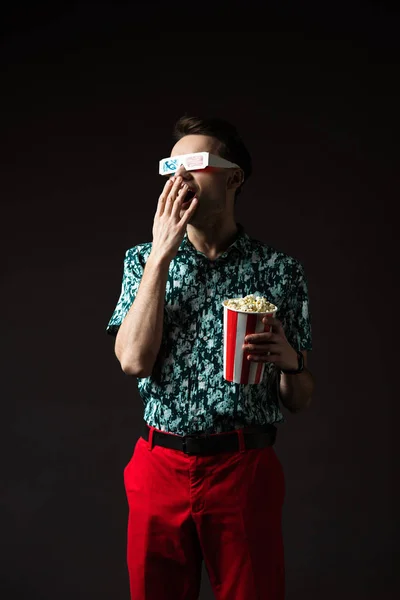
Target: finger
[176, 185]
[171, 197]
[274, 323]
[262, 338]
[262, 349]
[270, 320]
[189, 211]
[271, 358]
[163, 196]
[168, 187]
[179, 199]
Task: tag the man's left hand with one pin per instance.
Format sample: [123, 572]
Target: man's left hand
[271, 346]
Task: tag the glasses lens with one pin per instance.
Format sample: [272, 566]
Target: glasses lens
[169, 165]
[194, 161]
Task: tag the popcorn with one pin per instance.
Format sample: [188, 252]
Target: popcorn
[243, 317]
[251, 303]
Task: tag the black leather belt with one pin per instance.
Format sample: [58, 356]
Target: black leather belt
[207, 444]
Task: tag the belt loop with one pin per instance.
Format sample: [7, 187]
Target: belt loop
[150, 440]
[242, 445]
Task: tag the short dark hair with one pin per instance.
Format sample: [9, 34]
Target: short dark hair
[232, 147]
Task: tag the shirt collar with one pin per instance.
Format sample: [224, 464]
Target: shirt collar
[241, 243]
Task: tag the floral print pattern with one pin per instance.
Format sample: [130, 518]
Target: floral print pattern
[186, 392]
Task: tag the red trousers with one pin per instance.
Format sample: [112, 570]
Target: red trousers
[224, 509]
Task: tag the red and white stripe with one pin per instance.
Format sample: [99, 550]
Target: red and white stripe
[237, 325]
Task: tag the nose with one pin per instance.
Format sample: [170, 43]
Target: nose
[181, 171]
[186, 176]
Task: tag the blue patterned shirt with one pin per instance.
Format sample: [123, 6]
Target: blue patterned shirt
[186, 392]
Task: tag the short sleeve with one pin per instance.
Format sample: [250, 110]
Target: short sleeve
[297, 322]
[132, 275]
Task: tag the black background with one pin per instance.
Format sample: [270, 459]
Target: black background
[90, 95]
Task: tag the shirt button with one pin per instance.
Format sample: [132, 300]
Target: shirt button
[205, 338]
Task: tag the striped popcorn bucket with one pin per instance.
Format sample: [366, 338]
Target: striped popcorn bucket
[238, 324]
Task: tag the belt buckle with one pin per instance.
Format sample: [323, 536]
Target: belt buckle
[190, 444]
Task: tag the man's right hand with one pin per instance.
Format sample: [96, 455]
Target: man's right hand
[168, 227]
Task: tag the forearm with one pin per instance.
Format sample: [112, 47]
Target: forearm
[139, 337]
[296, 390]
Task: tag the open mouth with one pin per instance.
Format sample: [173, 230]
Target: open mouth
[190, 194]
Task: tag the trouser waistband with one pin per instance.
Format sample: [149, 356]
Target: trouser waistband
[211, 444]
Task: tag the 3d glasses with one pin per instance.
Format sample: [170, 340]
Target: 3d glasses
[192, 162]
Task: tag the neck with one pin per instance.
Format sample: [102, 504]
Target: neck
[213, 239]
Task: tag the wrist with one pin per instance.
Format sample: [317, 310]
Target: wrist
[299, 368]
[158, 262]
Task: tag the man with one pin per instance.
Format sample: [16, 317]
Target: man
[204, 481]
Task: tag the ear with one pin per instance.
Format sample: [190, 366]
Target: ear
[235, 179]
